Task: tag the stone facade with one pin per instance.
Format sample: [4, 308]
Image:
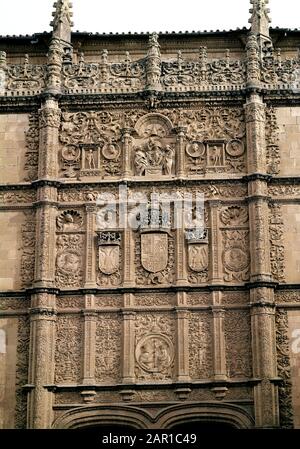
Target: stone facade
[111, 325]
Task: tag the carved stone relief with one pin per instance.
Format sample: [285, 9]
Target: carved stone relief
[154, 258]
[68, 354]
[32, 148]
[276, 242]
[22, 371]
[28, 250]
[110, 271]
[69, 260]
[200, 345]
[69, 220]
[108, 348]
[238, 343]
[154, 299]
[272, 142]
[284, 370]
[197, 257]
[154, 348]
[70, 302]
[26, 78]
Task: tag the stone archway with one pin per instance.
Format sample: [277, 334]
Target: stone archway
[211, 416]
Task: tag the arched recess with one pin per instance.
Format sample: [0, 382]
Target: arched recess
[103, 415]
[224, 414]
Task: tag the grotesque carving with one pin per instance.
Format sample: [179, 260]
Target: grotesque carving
[69, 220]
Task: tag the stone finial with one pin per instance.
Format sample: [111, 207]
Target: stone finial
[62, 20]
[153, 65]
[260, 19]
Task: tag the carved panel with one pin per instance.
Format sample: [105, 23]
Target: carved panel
[68, 398]
[235, 256]
[154, 299]
[22, 372]
[69, 220]
[108, 348]
[238, 343]
[150, 269]
[109, 301]
[277, 242]
[7, 304]
[28, 250]
[90, 144]
[32, 148]
[154, 347]
[25, 78]
[198, 299]
[68, 355]
[272, 142]
[17, 196]
[284, 370]
[200, 345]
[69, 260]
[232, 298]
[287, 296]
[70, 302]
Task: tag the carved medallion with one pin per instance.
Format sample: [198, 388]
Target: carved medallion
[235, 148]
[198, 257]
[236, 259]
[111, 151]
[154, 251]
[71, 153]
[68, 261]
[109, 259]
[196, 149]
[154, 353]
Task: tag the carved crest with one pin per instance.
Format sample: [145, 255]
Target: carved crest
[198, 257]
[154, 251]
[109, 258]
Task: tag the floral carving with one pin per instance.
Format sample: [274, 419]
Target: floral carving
[272, 142]
[276, 242]
[68, 354]
[154, 299]
[26, 77]
[236, 257]
[284, 370]
[238, 343]
[69, 267]
[22, 371]
[32, 148]
[200, 345]
[108, 348]
[28, 250]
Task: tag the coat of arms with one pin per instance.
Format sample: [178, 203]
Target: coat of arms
[109, 259]
[154, 251]
[198, 257]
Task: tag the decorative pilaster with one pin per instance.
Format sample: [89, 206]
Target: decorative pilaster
[216, 276]
[2, 72]
[129, 273]
[253, 61]
[49, 122]
[182, 339]
[180, 169]
[264, 358]
[255, 112]
[128, 375]
[153, 64]
[41, 361]
[90, 272]
[181, 270]
[127, 143]
[219, 349]
[89, 338]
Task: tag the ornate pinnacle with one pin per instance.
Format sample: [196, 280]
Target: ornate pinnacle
[62, 20]
[260, 17]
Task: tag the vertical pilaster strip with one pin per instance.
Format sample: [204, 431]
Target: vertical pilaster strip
[181, 270]
[182, 339]
[2, 72]
[49, 122]
[216, 276]
[89, 348]
[255, 112]
[180, 151]
[128, 260]
[90, 269]
[41, 360]
[128, 365]
[127, 144]
[219, 349]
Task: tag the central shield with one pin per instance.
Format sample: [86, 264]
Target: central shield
[154, 251]
[109, 258]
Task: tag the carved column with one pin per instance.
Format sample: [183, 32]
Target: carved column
[255, 112]
[2, 72]
[216, 275]
[90, 271]
[181, 270]
[127, 144]
[128, 341]
[89, 349]
[219, 350]
[41, 360]
[49, 122]
[264, 359]
[182, 339]
[180, 166]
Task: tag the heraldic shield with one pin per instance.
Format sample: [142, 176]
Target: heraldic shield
[154, 251]
[109, 258]
[198, 257]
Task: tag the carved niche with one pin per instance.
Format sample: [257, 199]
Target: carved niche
[235, 238]
[90, 144]
[109, 258]
[154, 348]
[215, 140]
[154, 147]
